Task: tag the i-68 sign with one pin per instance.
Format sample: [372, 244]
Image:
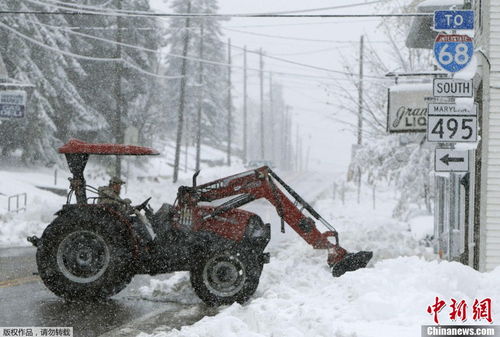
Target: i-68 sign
[449, 123]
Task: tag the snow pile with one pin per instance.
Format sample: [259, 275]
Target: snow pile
[177, 288]
[298, 297]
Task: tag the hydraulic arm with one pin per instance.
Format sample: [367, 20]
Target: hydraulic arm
[263, 183]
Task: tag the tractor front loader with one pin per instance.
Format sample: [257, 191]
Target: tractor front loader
[91, 250]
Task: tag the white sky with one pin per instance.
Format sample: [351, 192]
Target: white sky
[328, 140]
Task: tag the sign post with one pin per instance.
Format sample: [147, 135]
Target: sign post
[451, 123]
[454, 20]
[448, 160]
[450, 87]
[453, 52]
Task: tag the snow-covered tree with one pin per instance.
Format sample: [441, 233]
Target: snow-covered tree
[405, 163]
[56, 109]
[214, 88]
[74, 96]
[140, 92]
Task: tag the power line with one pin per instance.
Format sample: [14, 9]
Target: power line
[298, 24]
[296, 38]
[308, 65]
[307, 52]
[43, 45]
[197, 59]
[70, 11]
[208, 15]
[78, 7]
[83, 57]
[285, 37]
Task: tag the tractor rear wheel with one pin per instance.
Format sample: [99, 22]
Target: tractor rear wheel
[226, 276]
[84, 258]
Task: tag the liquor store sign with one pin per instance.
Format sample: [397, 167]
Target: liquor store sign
[407, 107]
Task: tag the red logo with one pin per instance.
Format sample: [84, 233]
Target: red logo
[480, 310]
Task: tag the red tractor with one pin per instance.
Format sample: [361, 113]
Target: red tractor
[92, 250]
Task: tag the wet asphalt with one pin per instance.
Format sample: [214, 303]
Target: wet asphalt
[25, 302]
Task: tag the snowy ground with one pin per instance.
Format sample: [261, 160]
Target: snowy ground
[297, 295]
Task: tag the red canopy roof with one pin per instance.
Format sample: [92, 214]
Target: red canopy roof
[75, 146]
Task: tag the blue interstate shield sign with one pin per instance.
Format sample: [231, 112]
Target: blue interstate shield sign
[453, 52]
[453, 20]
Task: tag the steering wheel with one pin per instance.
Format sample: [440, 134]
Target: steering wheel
[143, 205]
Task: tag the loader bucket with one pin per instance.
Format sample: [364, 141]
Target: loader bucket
[351, 262]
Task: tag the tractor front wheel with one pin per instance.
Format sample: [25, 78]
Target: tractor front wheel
[226, 276]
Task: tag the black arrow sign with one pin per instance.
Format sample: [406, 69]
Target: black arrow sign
[447, 159]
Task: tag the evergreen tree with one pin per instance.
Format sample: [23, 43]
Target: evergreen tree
[214, 88]
[56, 110]
[141, 105]
[74, 97]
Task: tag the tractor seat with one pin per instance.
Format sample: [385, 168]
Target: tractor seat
[161, 219]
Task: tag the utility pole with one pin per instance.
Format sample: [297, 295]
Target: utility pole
[229, 103]
[360, 92]
[200, 99]
[262, 146]
[180, 115]
[297, 140]
[286, 139]
[271, 117]
[360, 107]
[245, 116]
[117, 125]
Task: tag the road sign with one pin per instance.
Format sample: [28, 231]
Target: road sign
[12, 104]
[450, 87]
[454, 20]
[453, 52]
[448, 160]
[451, 123]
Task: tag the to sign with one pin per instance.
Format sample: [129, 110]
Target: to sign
[451, 123]
[12, 104]
[453, 52]
[448, 160]
[450, 87]
[453, 20]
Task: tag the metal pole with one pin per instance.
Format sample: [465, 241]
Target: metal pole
[297, 148]
[118, 91]
[360, 92]
[229, 103]
[262, 146]
[180, 115]
[200, 100]
[245, 116]
[271, 117]
[373, 195]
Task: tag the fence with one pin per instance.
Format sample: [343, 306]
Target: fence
[17, 209]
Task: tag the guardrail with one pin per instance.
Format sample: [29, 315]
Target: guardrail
[17, 197]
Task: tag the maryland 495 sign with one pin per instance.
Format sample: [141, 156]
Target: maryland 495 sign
[453, 52]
